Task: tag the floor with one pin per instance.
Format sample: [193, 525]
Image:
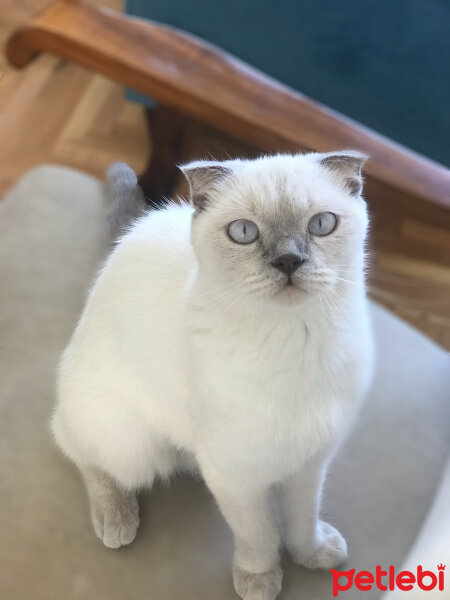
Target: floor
[60, 113]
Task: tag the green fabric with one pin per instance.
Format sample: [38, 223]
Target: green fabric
[385, 63]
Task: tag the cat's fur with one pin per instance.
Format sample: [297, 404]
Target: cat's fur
[191, 350]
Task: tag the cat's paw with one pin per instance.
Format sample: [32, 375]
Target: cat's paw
[258, 586]
[116, 525]
[329, 551]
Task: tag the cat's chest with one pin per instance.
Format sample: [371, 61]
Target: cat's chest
[267, 395]
[266, 359]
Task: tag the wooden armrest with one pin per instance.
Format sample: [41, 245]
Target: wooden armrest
[194, 77]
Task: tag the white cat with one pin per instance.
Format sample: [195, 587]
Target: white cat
[233, 335]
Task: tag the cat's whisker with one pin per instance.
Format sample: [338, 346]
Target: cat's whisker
[336, 298]
[327, 302]
[347, 281]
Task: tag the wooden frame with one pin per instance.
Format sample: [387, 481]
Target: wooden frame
[197, 79]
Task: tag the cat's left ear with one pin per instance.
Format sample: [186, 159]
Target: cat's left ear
[346, 166]
[203, 177]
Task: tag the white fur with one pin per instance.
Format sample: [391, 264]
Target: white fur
[197, 350]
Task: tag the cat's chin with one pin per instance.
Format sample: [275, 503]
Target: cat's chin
[290, 295]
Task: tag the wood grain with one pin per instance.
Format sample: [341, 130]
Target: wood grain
[57, 112]
[187, 74]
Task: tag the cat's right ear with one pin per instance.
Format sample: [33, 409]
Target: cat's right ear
[203, 177]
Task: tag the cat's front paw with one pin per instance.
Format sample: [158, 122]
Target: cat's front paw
[116, 524]
[329, 551]
[258, 586]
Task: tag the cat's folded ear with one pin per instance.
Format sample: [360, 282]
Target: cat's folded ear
[203, 178]
[346, 166]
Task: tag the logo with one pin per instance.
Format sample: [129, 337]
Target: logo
[388, 580]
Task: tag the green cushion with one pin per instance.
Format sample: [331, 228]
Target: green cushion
[385, 63]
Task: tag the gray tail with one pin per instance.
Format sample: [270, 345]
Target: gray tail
[127, 202]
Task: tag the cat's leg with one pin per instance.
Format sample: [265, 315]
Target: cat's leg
[311, 542]
[117, 452]
[114, 509]
[247, 509]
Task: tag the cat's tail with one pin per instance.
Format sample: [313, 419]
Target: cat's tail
[126, 199]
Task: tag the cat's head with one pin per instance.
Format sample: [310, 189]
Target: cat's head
[279, 228]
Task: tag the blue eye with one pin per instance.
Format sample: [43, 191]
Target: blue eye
[322, 224]
[243, 231]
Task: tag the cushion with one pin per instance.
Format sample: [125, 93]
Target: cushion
[380, 485]
[432, 547]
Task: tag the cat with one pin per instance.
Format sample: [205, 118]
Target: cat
[228, 334]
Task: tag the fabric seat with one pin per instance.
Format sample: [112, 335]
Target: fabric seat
[379, 489]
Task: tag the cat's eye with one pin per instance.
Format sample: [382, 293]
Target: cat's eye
[322, 224]
[243, 231]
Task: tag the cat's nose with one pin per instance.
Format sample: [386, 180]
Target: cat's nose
[288, 263]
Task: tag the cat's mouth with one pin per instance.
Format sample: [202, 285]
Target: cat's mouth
[294, 290]
[290, 291]
[290, 284]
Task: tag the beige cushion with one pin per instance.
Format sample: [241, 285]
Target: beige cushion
[379, 489]
[432, 547]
